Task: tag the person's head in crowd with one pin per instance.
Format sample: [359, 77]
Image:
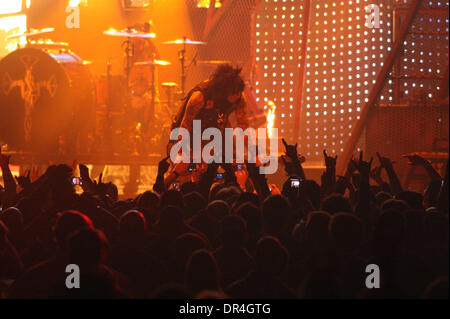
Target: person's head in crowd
[271, 257]
[202, 272]
[194, 202]
[87, 248]
[389, 232]
[185, 245]
[111, 191]
[13, 219]
[346, 232]
[246, 197]
[413, 199]
[173, 198]
[171, 222]
[188, 187]
[336, 203]
[253, 219]
[218, 209]
[215, 188]
[316, 232]
[275, 213]
[89, 203]
[381, 197]
[394, 204]
[148, 200]
[414, 227]
[28, 207]
[436, 228]
[228, 194]
[67, 223]
[438, 289]
[291, 193]
[233, 231]
[132, 224]
[311, 191]
[171, 291]
[431, 194]
[62, 191]
[211, 294]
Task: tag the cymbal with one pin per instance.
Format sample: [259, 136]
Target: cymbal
[213, 62]
[47, 44]
[129, 33]
[169, 84]
[31, 32]
[153, 62]
[185, 41]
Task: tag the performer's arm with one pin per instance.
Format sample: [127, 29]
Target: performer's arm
[193, 106]
[195, 103]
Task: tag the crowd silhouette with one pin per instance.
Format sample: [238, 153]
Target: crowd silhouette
[214, 239]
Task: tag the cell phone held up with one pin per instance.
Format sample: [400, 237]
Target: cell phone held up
[295, 183]
[77, 181]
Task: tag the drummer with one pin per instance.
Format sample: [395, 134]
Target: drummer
[144, 48]
[141, 75]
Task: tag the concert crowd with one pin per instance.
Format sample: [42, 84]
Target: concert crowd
[219, 238]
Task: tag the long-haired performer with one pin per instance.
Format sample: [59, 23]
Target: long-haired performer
[218, 102]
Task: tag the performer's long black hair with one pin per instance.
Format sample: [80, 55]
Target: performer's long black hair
[224, 81]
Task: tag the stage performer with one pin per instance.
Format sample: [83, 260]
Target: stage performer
[218, 102]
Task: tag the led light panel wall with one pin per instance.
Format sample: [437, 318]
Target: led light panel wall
[279, 26]
[344, 56]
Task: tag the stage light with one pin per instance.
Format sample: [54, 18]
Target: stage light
[135, 4]
[11, 25]
[77, 3]
[10, 6]
[74, 3]
[206, 3]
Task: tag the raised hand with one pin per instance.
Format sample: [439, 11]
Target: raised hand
[163, 165]
[375, 174]
[352, 166]
[24, 181]
[415, 159]
[330, 162]
[34, 173]
[84, 171]
[290, 150]
[364, 166]
[394, 182]
[342, 183]
[289, 166]
[4, 159]
[384, 161]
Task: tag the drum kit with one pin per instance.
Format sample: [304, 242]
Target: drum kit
[51, 103]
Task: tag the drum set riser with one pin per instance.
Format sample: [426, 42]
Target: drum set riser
[50, 102]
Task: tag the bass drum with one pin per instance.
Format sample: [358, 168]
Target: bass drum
[47, 101]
